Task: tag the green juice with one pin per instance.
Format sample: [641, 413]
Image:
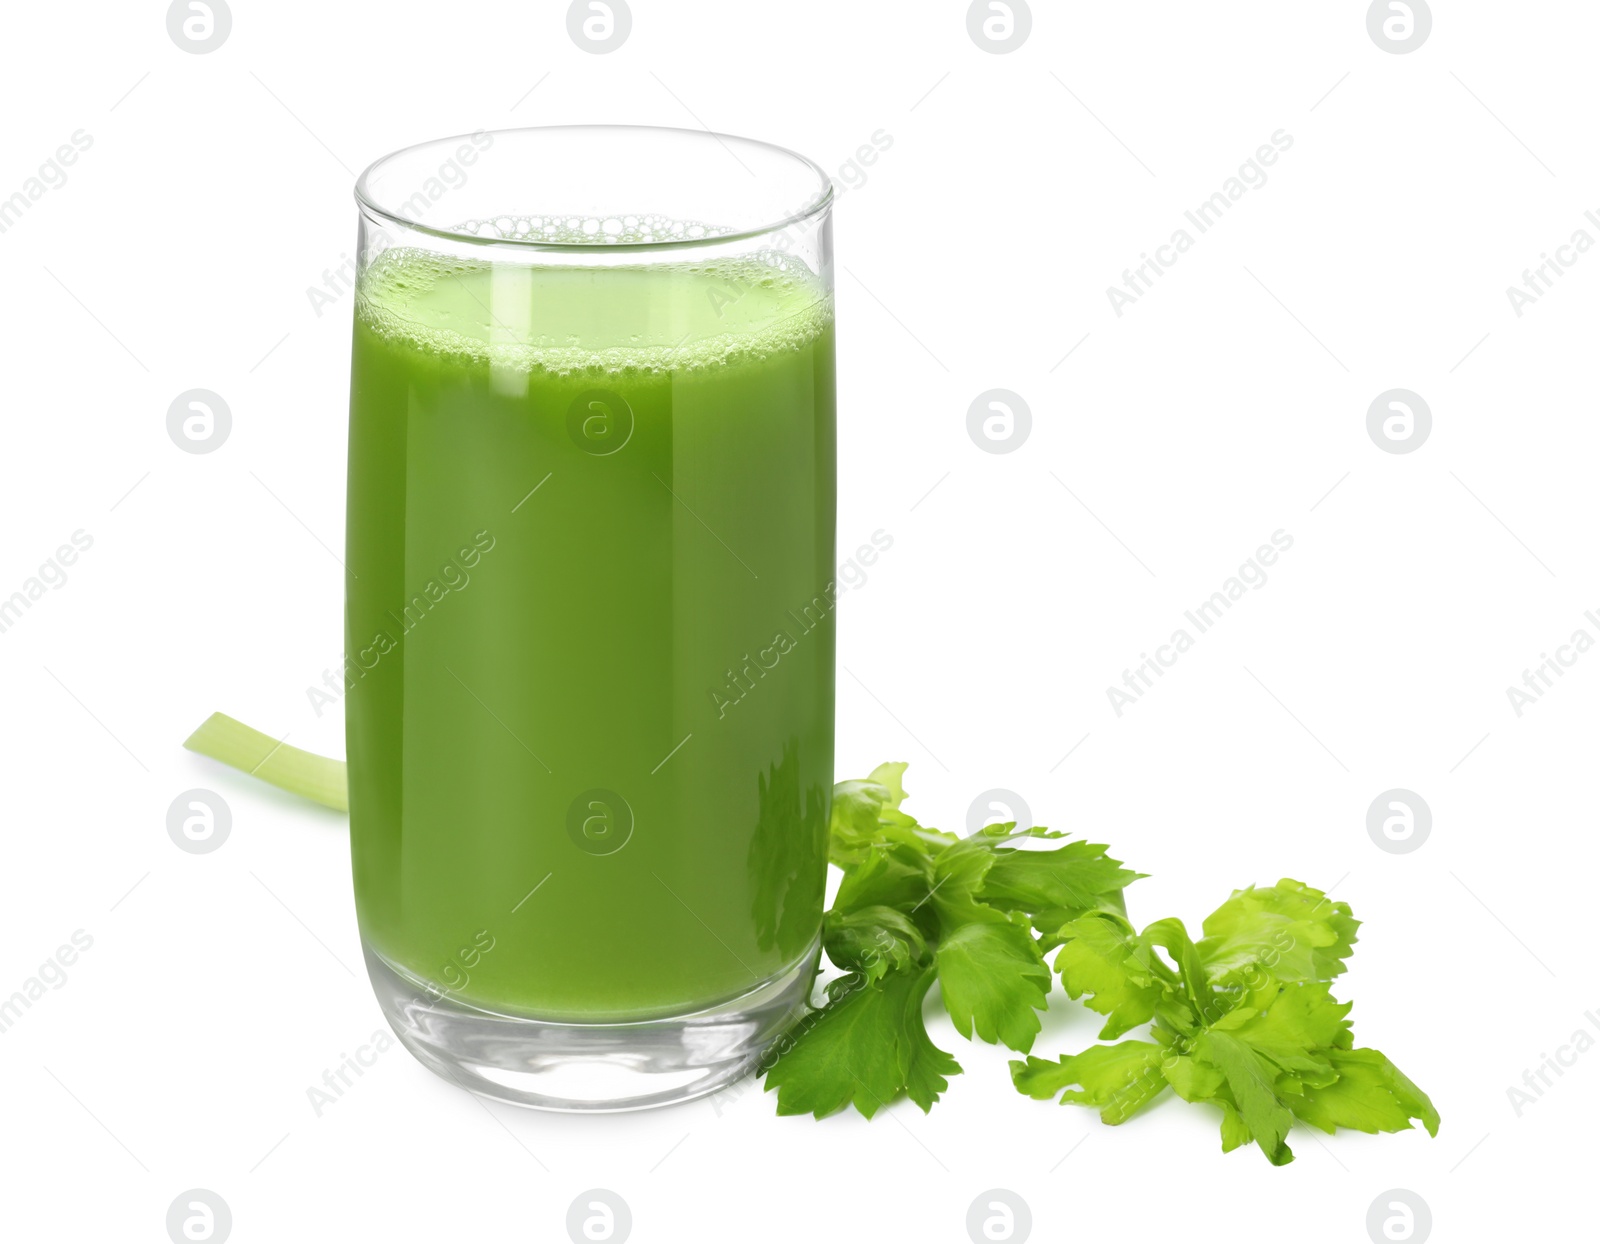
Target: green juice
[590, 628]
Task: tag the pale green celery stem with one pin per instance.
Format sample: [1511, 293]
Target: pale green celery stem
[319, 778]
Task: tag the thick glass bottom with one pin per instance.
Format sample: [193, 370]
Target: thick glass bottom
[588, 1067]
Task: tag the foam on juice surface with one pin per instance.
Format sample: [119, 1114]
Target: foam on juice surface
[612, 318]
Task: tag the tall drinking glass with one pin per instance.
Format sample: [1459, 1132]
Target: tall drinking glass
[590, 612]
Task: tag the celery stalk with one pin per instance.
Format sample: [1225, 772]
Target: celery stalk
[319, 778]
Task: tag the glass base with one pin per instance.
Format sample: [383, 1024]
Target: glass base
[584, 1068]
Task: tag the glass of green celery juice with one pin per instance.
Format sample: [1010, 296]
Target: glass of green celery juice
[589, 621]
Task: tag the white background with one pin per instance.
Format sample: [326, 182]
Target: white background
[1223, 406]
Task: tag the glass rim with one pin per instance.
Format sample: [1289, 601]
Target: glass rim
[819, 203]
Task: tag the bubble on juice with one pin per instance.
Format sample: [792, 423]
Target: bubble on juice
[745, 307]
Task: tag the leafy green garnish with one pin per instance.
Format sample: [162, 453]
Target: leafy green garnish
[918, 906]
[866, 1048]
[994, 981]
[1115, 1079]
[1244, 1020]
